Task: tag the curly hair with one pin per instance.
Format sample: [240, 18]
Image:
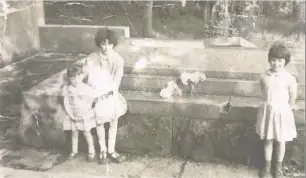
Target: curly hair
[75, 70]
[106, 33]
[279, 51]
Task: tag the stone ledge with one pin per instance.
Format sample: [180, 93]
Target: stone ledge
[128, 69]
[242, 108]
[211, 86]
[73, 38]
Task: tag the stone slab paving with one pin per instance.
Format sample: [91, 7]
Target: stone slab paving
[137, 167]
[147, 167]
[134, 167]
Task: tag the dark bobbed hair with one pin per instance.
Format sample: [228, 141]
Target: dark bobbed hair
[106, 33]
[279, 51]
[75, 70]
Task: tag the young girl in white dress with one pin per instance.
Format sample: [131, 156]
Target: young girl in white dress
[78, 101]
[275, 120]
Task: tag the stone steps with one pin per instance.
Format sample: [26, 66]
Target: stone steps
[200, 107]
[212, 86]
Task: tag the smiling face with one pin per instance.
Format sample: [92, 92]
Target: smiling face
[277, 64]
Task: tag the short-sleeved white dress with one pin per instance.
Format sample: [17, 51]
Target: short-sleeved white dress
[80, 104]
[275, 119]
[105, 75]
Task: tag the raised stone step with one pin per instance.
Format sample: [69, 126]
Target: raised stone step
[212, 86]
[194, 128]
[73, 38]
[201, 106]
[176, 72]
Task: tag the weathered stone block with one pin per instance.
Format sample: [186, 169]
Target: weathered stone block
[192, 139]
[150, 107]
[241, 113]
[196, 110]
[41, 123]
[20, 35]
[144, 134]
[295, 154]
[203, 140]
[73, 38]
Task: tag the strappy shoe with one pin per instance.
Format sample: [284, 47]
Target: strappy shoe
[265, 172]
[102, 158]
[115, 157]
[91, 157]
[278, 170]
[72, 155]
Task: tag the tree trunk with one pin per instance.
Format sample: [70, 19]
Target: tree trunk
[205, 13]
[226, 18]
[147, 26]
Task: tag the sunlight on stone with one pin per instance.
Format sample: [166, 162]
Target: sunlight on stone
[135, 48]
[244, 88]
[141, 63]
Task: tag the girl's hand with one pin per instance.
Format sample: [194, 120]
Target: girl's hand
[294, 108]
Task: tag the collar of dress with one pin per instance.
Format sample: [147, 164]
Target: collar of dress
[276, 74]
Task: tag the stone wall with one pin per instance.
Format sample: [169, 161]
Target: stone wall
[199, 132]
[20, 33]
[74, 38]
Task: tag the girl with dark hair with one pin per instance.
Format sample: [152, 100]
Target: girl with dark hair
[275, 120]
[104, 73]
[78, 99]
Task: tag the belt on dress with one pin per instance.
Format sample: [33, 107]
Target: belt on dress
[102, 97]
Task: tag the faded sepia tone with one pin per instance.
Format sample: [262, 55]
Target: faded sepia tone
[173, 127]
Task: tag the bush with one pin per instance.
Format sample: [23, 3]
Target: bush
[217, 30]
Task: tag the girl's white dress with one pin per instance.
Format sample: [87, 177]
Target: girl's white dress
[275, 118]
[79, 100]
[105, 75]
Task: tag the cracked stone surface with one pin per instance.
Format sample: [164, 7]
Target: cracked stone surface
[134, 167]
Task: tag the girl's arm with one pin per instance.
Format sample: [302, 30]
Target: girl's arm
[262, 87]
[118, 73]
[292, 91]
[67, 108]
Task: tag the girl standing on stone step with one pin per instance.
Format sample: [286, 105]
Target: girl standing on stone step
[78, 101]
[104, 73]
[275, 120]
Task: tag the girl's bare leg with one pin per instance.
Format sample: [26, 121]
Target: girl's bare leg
[75, 141]
[74, 144]
[101, 137]
[89, 140]
[280, 153]
[90, 144]
[268, 149]
[112, 133]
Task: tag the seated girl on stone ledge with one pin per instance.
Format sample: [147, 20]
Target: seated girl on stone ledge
[78, 102]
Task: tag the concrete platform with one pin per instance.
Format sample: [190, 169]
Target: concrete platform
[141, 167]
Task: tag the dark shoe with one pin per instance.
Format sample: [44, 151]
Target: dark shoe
[102, 158]
[265, 172]
[278, 170]
[72, 155]
[91, 157]
[116, 158]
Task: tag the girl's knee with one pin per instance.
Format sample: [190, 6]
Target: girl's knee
[268, 142]
[280, 143]
[86, 133]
